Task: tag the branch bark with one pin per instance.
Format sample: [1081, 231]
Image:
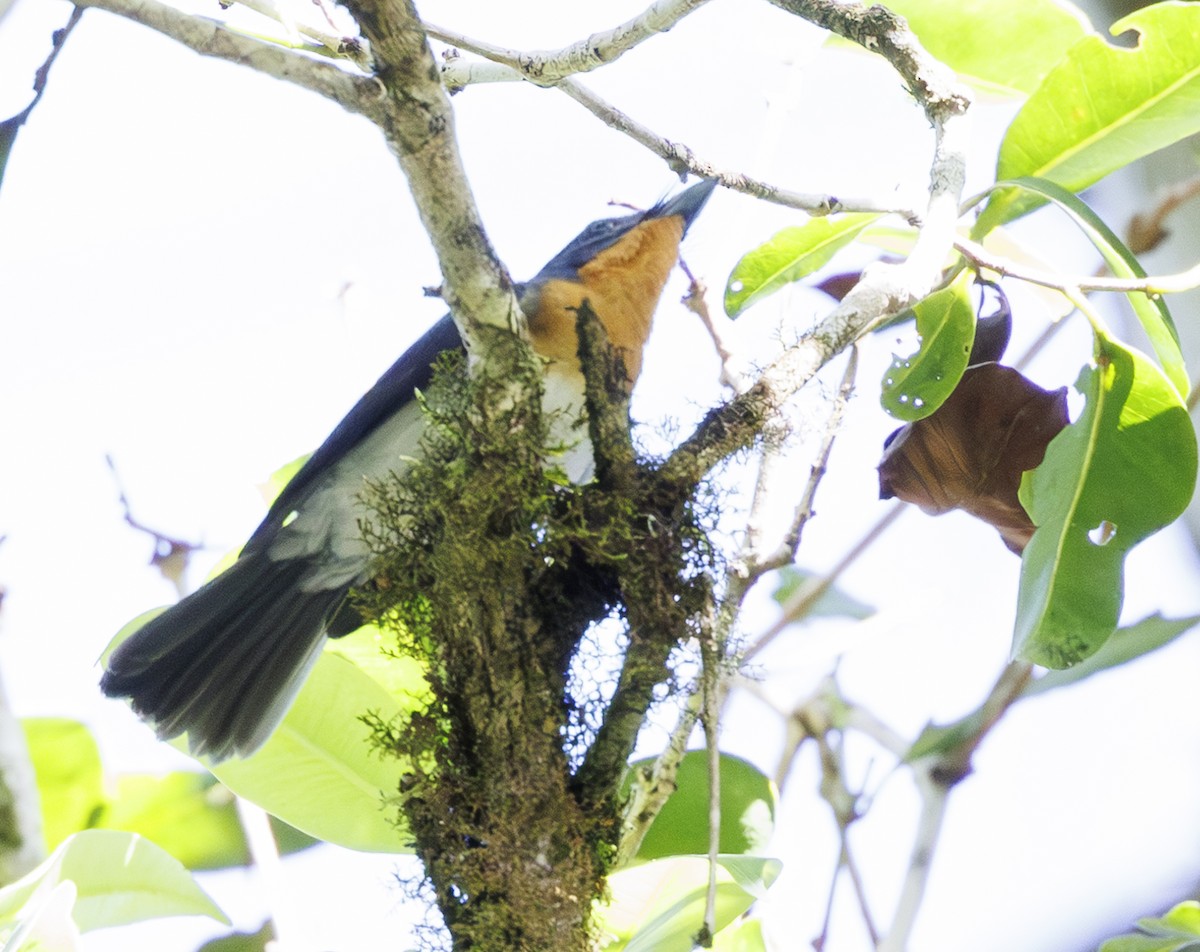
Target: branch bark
[358, 94]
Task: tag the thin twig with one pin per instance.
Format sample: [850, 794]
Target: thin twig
[1147, 231]
[1149, 285]
[9, 126]
[551, 69]
[929, 828]
[654, 787]
[801, 603]
[680, 158]
[711, 692]
[786, 553]
[696, 301]
[816, 716]
[171, 555]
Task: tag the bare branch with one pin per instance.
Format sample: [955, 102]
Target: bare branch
[696, 301]
[651, 789]
[802, 602]
[785, 553]
[929, 829]
[555, 69]
[548, 67]
[171, 555]
[8, 128]
[1147, 231]
[885, 288]
[360, 94]
[1149, 285]
[680, 158]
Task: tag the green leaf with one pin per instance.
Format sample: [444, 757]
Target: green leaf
[1122, 471]
[681, 827]
[1125, 645]
[278, 480]
[659, 907]
[44, 923]
[789, 256]
[243, 941]
[937, 739]
[915, 386]
[1151, 311]
[191, 816]
[998, 46]
[1104, 106]
[746, 936]
[319, 771]
[119, 878]
[70, 786]
[1177, 931]
[833, 602]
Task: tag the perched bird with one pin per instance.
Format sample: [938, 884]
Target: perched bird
[225, 663]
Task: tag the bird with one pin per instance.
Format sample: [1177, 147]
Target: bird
[224, 664]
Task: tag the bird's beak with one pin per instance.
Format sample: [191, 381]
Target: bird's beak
[686, 204]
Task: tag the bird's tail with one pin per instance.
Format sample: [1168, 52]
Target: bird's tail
[225, 663]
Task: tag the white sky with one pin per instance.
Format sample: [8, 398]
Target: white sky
[201, 269]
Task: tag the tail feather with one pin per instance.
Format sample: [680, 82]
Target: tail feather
[225, 663]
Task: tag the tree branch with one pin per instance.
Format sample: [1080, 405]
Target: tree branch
[548, 67]
[555, 68]
[359, 94]
[418, 123]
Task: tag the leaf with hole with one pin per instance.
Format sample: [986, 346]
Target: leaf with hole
[1125, 469]
[915, 386]
[1103, 107]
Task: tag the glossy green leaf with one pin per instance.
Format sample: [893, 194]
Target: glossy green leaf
[1177, 931]
[45, 923]
[1152, 312]
[244, 941]
[999, 46]
[319, 771]
[1122, 471]
[66, 763]
[1104, 106]
[681, 827]
[915, 386]
[1125, 645]
[119, 878]
[936, 739]
[788, 256]
[278, 480]
[659, 906]
[833, 602]
[745, 936]
[191, 816]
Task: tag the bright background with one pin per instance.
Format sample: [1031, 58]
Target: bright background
[202, 268]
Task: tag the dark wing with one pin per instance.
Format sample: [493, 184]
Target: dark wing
[412, 371]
